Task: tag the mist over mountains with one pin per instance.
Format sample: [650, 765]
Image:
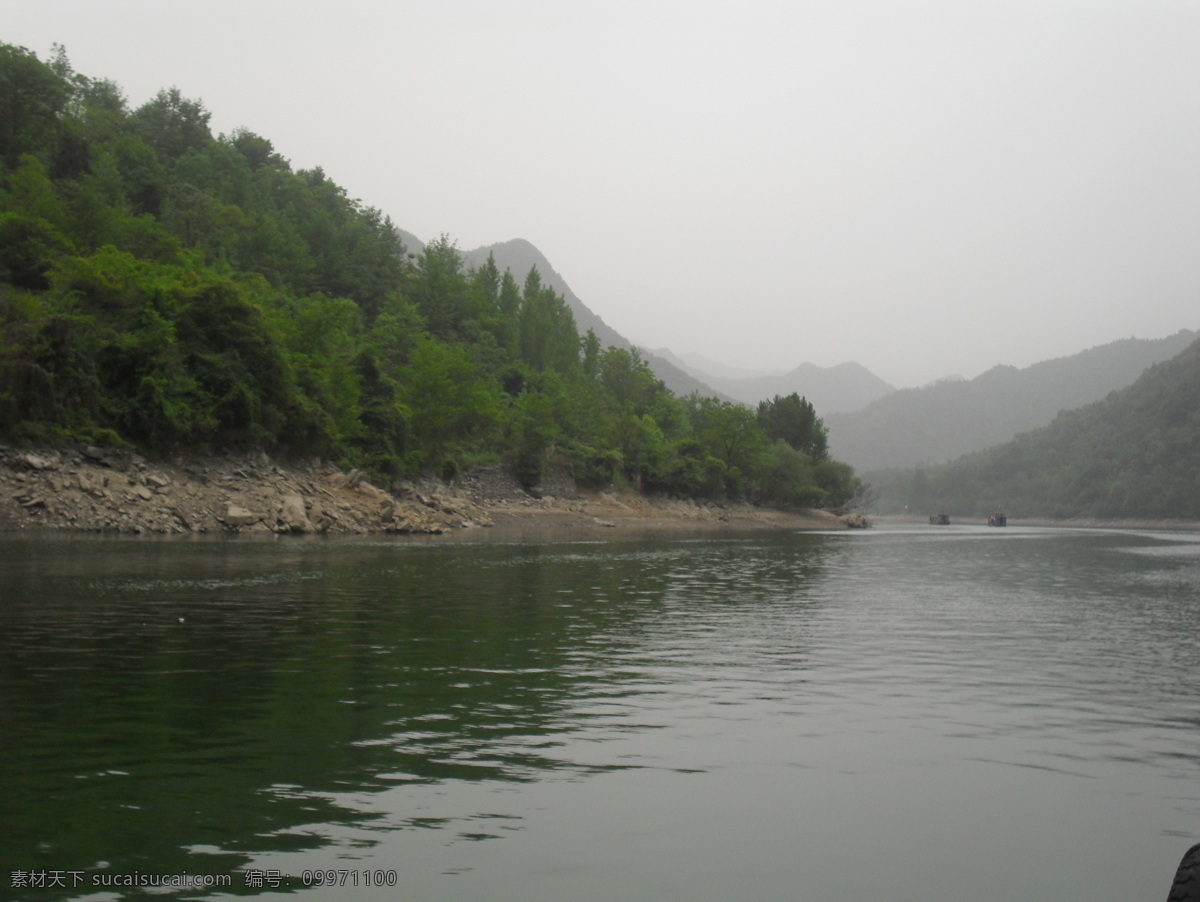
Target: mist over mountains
[942, 421]
[171, 290]
[847, 386]
[872, 425]
[1133, 454]
[844, 387]
[518, 256]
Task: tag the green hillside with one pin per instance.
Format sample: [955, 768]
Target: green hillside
[1136, 454]
[189, 293]
[938, 423]
[520, 256]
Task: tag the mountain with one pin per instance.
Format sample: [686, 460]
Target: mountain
[698, 363]
[519, 256]
[1135, 454]
[942, 421]
[845, 387]
[412, 244]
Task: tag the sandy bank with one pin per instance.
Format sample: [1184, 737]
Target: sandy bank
[105, 490]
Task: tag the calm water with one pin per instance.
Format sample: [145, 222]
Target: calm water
[925, 714]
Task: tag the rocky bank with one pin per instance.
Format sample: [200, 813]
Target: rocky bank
[108, 490]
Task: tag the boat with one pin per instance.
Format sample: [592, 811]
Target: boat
[998, 519]
[939, 519]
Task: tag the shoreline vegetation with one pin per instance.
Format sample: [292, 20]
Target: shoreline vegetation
[114, 491]
[119, 492]
[173, 291]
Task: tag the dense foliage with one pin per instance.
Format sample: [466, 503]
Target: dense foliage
[165, 287]
[1135, 454]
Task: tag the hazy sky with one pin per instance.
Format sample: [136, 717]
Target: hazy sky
[925, 187]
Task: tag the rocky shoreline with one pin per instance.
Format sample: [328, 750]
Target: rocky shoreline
[107, 490]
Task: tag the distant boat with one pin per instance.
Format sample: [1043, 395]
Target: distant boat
[997, 519]
[939, 519]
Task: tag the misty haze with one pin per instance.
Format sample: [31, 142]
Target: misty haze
[535, 451]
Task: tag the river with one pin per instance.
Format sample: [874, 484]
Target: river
[909, 713]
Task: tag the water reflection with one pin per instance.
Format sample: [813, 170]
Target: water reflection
[167, 697]
[213, 706]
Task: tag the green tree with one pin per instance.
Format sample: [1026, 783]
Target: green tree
[837, 481]
[31, 221]
[238, 362]
[438, 288]
[319, 335]
[626, 380]
[548, 337]
[450, 404]
[32, 100]
[509, 312]
[794, 420]
[542, 416]
[173, 125]
[787, 477]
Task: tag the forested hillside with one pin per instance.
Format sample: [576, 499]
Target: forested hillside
[521, 256]
[1135, 454]
[189, 293]
[938, 423]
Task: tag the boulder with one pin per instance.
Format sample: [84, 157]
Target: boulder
[91, 482]
[237, 516]
[371, 491]
[39, 462]
[349, 480]
[292, 515]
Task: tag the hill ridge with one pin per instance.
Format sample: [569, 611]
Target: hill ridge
[937, 423]
[1129, 455]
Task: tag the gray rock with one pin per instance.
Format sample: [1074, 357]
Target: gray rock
[292, 515]
[39, 462]
[92, 483]
[238, 516]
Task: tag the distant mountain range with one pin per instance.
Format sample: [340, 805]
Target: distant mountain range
[942, 421]
[872, 426]
[1133, 455]
[845, 387]
[715, 367]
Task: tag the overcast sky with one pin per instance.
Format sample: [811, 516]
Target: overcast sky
[928, 188]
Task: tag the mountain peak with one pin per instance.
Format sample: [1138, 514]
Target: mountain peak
[846, 386]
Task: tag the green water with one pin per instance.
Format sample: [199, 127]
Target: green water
[909, 714]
